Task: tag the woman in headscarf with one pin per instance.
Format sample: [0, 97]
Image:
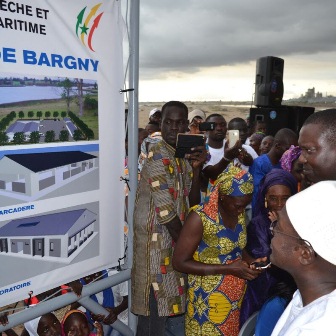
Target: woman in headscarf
[290, 162]
[75, 323]
[275, 188]
[45, 325]
[211, 250]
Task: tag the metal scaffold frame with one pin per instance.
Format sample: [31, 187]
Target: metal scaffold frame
[125, 274]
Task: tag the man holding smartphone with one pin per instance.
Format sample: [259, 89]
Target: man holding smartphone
[240, 125]
[168, 186]
[221, 154]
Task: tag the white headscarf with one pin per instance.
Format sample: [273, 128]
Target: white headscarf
[31, 326]
[310, 212]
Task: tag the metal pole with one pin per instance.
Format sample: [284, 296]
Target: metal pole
[63, 300]
[66, 299]
[96, 308]
[133, 137]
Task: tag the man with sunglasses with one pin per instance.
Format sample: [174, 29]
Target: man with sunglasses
[303, 244]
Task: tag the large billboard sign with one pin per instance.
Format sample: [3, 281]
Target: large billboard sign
[61, 142]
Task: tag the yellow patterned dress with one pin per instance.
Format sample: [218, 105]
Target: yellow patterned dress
[214, 301]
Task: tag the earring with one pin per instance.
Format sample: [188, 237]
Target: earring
[265, 203]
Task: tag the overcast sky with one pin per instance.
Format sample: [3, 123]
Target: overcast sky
[207, 50]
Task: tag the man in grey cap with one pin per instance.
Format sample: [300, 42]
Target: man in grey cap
[195, 118]
[155, 115]
[303, 244]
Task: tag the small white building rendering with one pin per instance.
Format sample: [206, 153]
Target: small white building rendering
[31, 173]
[59, 236]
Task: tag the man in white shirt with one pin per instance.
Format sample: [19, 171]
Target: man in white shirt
[221, 154]
[304, 245]
[241, 125]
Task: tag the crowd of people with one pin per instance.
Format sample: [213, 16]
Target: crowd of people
[228, 230]
[218, 243]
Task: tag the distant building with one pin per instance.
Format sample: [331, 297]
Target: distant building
[310, 93]
[311, 96]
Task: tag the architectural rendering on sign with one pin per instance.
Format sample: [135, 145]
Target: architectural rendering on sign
[56, 125]
[28, 176]
[59, 236]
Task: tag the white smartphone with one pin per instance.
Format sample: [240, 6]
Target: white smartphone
[233, 137]
[261, 265]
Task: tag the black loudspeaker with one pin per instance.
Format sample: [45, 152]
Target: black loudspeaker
[276, 118]
[269, 81]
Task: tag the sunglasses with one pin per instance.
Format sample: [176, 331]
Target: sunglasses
[272, 229]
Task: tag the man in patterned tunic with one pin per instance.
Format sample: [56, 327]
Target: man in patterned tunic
[167, 188]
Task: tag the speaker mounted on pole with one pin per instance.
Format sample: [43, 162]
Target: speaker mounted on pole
[269, 86]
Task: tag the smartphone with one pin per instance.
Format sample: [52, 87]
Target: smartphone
[207, 126]
[233, 137]
[185, 142]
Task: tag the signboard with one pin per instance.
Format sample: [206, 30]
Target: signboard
[62, 143]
